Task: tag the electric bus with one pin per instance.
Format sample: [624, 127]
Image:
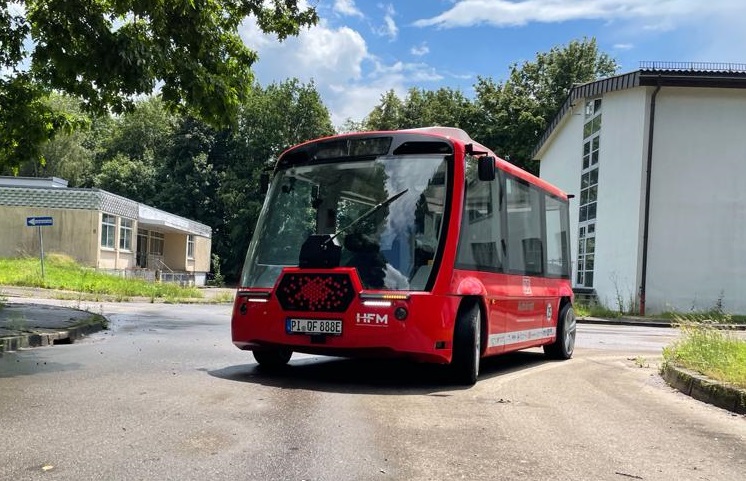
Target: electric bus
[417, 243]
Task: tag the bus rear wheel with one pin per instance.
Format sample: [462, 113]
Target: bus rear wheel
[272, 357]
[564, 345]
[467, 346]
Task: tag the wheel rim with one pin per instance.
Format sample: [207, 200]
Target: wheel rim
[570, 326]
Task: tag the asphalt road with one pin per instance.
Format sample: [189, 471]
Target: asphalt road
[165, 395]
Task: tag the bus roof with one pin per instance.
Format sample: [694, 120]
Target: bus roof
[455, 135]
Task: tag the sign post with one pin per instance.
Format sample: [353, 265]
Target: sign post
[40, 222]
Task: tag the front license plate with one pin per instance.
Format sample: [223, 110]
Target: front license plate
[314, 326]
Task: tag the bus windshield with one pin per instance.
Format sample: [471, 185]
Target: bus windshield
[392, 247]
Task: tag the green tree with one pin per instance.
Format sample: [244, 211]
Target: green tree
[131, 148]
[422, 108]
[445, 107]
[516, 112]
[143, 132]
[107, 52]
[128, 177]
[67, 155]
[387, 115]
[188, 176]
[273, 119]
[28, 120]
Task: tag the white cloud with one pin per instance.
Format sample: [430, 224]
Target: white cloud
[623, 46]
[408, 72]
[321, 53]
[420, 50]
[355, 99]
[504, 13]
[389, 28]
[348, 77]
[347, 8]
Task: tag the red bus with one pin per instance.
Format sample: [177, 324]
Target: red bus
[417, 243]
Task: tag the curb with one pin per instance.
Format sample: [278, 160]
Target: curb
[44, 337]
[621, 321]
[626, 321]
[704, 389]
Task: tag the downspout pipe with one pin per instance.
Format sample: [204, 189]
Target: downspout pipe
[646, 222]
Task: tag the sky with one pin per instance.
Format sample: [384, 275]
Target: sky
[360, 49]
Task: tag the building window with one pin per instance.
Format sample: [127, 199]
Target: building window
[125, 234]
[190, 246]
[108, 229]
[589, 193]
[156, 243]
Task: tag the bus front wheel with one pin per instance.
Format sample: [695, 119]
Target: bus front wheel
[564, 345]
[272, 357]
[467, 346]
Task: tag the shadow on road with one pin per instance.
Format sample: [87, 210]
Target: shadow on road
[372, 376]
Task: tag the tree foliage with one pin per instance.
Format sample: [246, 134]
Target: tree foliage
[422, 108]
[183, 165]
[107, 52]
[273, 119]
[508, 116]
[516, 112]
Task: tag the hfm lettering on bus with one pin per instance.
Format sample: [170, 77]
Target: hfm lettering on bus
[372, 319]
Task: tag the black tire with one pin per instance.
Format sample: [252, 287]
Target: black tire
[272, 357]
[563, 347]
[467, 349]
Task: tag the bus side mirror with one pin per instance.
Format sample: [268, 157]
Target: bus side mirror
[264, 182]
[486, 168]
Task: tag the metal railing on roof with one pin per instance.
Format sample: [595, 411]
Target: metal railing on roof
[693, 66]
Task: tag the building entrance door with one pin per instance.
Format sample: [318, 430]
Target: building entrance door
[142, 249]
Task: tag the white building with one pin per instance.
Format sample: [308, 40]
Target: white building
[656, 159]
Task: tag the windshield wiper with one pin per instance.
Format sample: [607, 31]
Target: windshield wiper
[367, 214]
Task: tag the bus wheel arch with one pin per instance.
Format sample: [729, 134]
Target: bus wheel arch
[564, 344]
[468, 340]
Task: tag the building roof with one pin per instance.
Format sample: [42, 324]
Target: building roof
[43, 194]
[32, 181]
[652, 74]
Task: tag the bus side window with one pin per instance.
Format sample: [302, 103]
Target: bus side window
[481, 227]
[533, 255]
[525, 245]
[557, 257]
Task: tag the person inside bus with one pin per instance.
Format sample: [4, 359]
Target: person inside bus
[374, 270]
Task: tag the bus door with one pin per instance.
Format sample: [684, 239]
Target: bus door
[481, 251]
[528, 294]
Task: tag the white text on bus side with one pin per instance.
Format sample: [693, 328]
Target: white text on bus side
[372, 318]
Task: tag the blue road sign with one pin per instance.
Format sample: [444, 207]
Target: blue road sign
[38, 221]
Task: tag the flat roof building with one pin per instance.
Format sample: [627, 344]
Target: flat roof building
[102, 230]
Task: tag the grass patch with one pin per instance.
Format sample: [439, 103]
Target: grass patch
[714, 353]
[63, 273]
[595, 310]
[223, 298]
[713, 315]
